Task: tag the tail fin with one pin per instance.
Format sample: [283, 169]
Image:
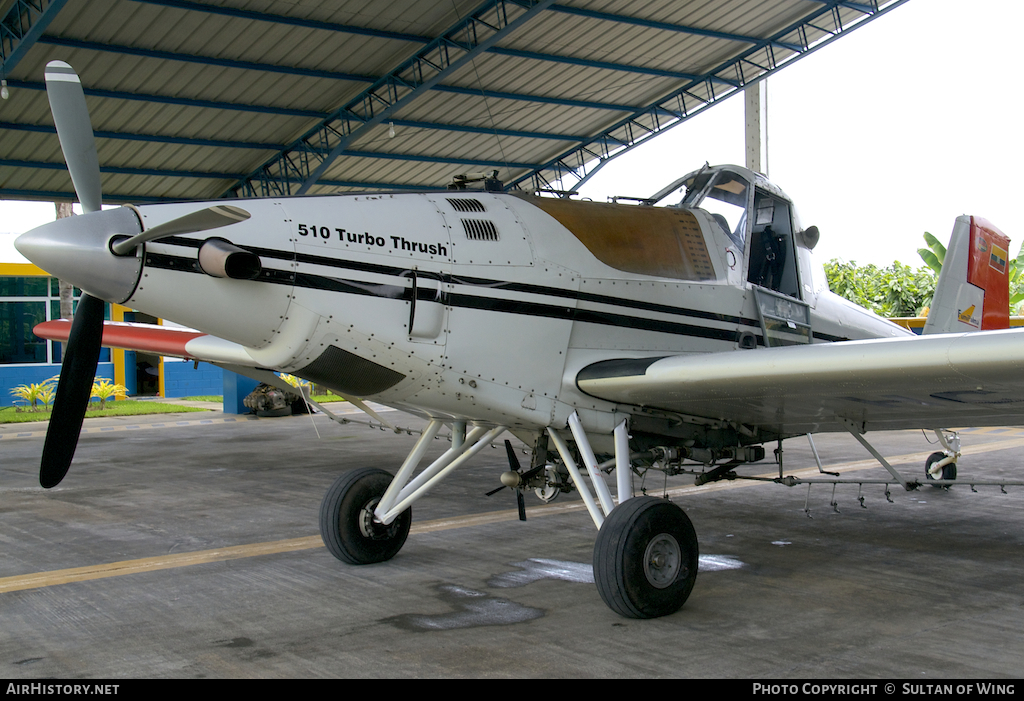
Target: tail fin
[973, 292]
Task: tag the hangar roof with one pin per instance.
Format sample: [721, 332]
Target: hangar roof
[199, 99]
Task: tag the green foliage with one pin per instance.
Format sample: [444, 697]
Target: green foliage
[895, 291]
[934, 255]
[45, 392]
[103, 389]
[1017, 282]
[34, 393]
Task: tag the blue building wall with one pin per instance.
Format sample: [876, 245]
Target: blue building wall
[13, 375]
[182, 380]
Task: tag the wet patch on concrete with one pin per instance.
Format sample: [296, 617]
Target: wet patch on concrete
[537, 568]
[473, 609]
[713, 563]
[251, 653]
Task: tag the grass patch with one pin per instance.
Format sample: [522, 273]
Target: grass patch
[126, 407]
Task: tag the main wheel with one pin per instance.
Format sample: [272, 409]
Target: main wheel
[948, 471]
[346, 519]
[645, 558]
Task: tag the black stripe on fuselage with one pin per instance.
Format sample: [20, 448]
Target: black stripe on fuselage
[322, 282]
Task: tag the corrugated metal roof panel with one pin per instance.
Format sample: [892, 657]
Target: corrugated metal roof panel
[167, 75]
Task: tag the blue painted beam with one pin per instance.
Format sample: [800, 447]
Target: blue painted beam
[182, 101]
[483, 163]
[118, 170]
[21, 27]
[152, 138]
[588, 63]
[287, 20]
[205, 60]
[117, 198]
[859, 6]
[543, 99]
[489, 130]
[654, 24]
[221, 143]
[8, 193]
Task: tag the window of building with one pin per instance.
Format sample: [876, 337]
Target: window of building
[24, 302]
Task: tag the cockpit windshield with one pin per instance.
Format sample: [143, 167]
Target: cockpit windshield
[725, 196]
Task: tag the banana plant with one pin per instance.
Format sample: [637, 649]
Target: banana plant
[1017, 281]
[934, 254]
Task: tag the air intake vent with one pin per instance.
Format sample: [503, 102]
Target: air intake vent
[480, 230]
[466, 205]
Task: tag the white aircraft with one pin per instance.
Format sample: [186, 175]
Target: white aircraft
[681, 338]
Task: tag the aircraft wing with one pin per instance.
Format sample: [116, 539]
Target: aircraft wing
[946, 380]
[161, 340]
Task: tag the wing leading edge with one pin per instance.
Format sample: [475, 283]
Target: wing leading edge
[946, 380]
[162, 340]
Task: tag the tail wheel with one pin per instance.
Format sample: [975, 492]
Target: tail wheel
[948, 471]
[645, 558]
[346, 519]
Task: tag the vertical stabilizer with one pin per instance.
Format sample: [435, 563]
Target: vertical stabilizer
[973, 292]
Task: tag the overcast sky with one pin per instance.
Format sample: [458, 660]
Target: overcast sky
[889, 132]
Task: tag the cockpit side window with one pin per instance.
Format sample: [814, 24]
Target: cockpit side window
[726, 200]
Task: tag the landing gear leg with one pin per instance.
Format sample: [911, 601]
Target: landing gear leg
[347, 525]
[942, 465]
[645, 558]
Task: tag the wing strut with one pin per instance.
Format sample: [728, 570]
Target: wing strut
[855, 431]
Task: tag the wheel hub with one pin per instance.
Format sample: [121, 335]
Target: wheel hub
[662, 561]
[370, 527]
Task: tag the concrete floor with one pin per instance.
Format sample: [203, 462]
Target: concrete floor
[187, 546]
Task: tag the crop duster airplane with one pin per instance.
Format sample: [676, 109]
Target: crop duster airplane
[610, 338]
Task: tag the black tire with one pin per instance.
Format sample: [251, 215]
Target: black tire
[630, 576]
[346, 524]
[948, 471]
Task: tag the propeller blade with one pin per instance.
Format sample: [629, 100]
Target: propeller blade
[532, 472]
[513, 461]
[77, 373]
[494, 491]
[71, 117]
[201, 220]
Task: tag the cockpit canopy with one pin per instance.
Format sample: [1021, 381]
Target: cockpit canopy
[723, 194]
[727, 192]
[754, 215]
